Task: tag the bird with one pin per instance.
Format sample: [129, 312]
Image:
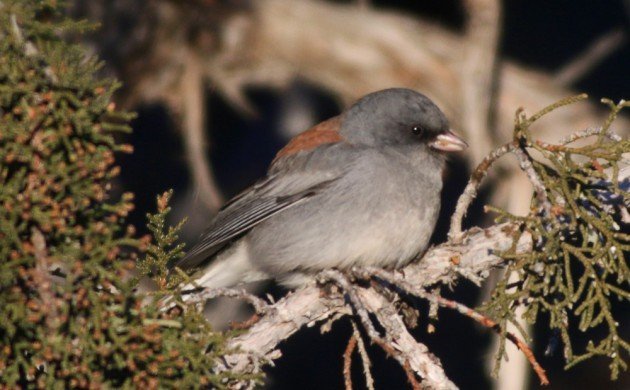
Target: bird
[360, 189]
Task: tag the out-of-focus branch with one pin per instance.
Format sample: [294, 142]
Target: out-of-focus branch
[591, 57]
[194, 132]
[270, 43]
[44, 279]
[479, 75]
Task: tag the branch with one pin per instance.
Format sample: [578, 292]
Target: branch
[413, 357]
[395, 279]
[369, 381]
[194, 131]
[591, 57]
[472, 255]
[472, 188]
[347, 362]
[479, 76]
[444, 264]
[259, 305]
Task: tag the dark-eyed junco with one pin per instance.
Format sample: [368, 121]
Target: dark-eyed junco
[362, 188]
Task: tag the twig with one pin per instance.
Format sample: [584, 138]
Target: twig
[365, 358]
[197, 296]
[350, 290]
[587, 133]
[43, 279]
[245, 324]
[347, 362]
[412, 356]
[470, 192]
[398, 281]
[489, 323]
[525, 162]
[591, 57]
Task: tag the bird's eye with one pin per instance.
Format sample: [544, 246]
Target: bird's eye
[417, 130]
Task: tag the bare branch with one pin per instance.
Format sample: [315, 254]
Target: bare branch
[479, 74]
[367, 364]
[347, 362]
[194, 132]
[525, 162]
[397, 280]
[203, 295]
[307, 306]
[473, 257]
[470, 192]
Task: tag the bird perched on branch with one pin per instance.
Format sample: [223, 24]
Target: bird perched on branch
[360, 189]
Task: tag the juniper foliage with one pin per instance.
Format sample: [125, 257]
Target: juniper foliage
[70, 313]
[578, 265]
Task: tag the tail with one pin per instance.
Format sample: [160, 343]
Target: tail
[231, 267]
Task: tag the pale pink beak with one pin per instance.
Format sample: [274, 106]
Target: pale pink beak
[448, 142]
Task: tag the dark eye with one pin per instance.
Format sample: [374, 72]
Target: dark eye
[417, 130]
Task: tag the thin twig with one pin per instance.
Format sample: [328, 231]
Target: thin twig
[587, 133]
[398, 281]
[471, 190]
[489, 323]
[525, 162]
[347, 362]
[350, 290]
[248, 323]
[365, 358]
[198, 296]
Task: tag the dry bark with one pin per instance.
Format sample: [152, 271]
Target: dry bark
[444, 264]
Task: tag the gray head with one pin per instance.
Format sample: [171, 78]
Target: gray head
[399, 116]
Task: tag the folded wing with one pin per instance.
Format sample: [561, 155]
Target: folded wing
[244, 212]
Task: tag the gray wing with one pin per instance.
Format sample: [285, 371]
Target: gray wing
[242, 213]
[291, 180]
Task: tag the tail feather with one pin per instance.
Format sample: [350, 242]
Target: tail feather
[232, 267]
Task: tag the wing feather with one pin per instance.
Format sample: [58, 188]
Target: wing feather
[240, 215]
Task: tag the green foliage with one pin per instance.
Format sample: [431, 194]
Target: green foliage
[162, 250]
[71, 316]
[578, 265]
